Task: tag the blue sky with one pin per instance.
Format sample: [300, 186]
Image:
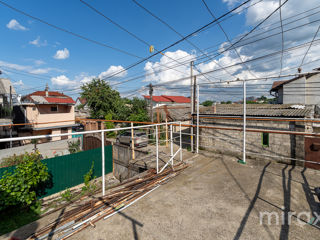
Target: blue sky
[65, 62]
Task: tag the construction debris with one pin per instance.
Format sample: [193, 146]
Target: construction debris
[115, 200]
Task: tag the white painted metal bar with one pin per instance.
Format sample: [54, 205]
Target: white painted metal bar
[244, 120]
[157, 149]
[171, 141]
[170, 160]
[103, 165]
[198, 103]
[180, 142]
[80, 133]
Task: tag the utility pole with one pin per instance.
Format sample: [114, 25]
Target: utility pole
[151, 107]
[191, 104]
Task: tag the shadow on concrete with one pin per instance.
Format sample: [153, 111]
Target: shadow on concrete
[286, 185]
[314, 206]
[134, 222]
[251, 206]
[53, 228]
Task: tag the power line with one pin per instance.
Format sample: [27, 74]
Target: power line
[174, 30]
[67, 31]
[282, 39]
[253, 29]
[315, 35]
[175, 43]
[226, 35]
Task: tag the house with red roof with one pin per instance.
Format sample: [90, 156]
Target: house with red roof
[47, 112]
[167, 100]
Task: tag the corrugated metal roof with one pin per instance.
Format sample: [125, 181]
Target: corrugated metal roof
[38, 99]
[53, 97]
[264, 110]
[157, 98]
[5, 86]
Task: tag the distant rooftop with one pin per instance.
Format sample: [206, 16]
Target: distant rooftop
[166, 98]
[40, 97]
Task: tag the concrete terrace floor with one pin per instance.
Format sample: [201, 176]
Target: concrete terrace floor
[217, 198]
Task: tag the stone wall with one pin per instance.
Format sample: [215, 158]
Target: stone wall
[283, 146]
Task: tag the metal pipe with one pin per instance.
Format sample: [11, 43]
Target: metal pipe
[157, 149]
[244, 120]
[198, 103]
[103, 165]
[171, 141]
[180, 143]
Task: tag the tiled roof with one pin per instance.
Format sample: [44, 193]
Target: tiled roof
[263, 110]
[157, 98]
[83, 101]
[178, 99]
[165, 98]
[39, 97]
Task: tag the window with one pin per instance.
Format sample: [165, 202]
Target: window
[265, 139]
[54, 109]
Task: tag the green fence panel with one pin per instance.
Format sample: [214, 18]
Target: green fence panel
[68, 170]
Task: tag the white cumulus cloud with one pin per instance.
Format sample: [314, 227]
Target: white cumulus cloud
[62, 81]
[15, 25]
[38, 43]
[112, 70]
[62, 54]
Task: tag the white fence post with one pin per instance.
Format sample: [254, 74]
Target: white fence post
[180, 142]
[171, 140]
[157, 149]
[244, 121]
[103, 165]
[198, 103]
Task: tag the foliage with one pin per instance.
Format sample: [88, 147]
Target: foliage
[227, 102]
[105, 102]
[109, 125]
[88, 186]
[21, 186]
[207, 103]
[16, 217]
[66, 195]
[12, 160]
[74, 146]
[102, 99]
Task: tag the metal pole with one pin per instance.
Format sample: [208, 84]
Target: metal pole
[191, 104]
[244, 120]
[166, 132]
[103, 165]
[198, 103]
[151, 107]
[157, 149]
[180, 142]
[171, 140]
[132, 141]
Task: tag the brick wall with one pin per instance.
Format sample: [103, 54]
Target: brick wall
[283, 146]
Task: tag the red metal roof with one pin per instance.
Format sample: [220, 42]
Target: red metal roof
[53, 97]
[59, 100]
[178, 99]
[158, 98]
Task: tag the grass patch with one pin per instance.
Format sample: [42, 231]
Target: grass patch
[14, 218]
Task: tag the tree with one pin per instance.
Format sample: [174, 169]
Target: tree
[102, 99]
[207, 103]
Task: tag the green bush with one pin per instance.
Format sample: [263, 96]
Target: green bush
[21, 186]
[88, 186]
[74, 147]
[66, 195]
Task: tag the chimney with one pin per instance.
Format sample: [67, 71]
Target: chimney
[47, 89]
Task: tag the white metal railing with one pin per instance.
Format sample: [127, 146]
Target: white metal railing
[102, 131]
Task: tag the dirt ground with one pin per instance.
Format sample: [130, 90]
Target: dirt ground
[218, 198]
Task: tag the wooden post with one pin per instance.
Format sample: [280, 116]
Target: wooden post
[132, 141]
[166, 132]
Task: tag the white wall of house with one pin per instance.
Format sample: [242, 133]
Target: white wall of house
[313, 90]
[295, 92]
